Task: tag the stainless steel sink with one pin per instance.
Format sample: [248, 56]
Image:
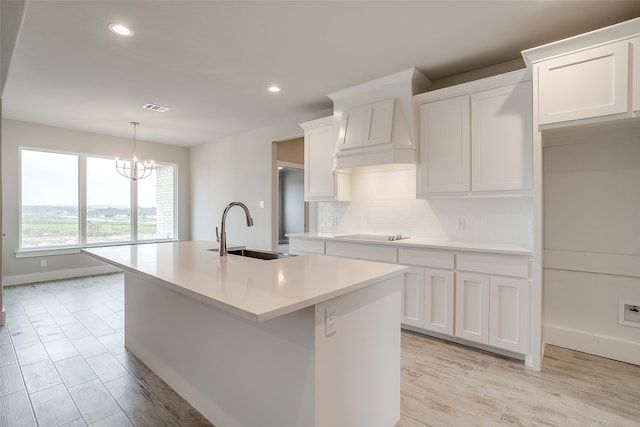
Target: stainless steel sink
[267, 255]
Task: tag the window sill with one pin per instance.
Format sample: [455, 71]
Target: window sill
[35, 253]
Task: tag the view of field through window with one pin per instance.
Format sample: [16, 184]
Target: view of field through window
[50, 194]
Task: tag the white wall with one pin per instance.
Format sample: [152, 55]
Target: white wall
[16, 134]
[384, 202]
[238, 168]
[592, 243]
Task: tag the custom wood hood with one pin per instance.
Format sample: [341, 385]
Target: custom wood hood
[375, 121]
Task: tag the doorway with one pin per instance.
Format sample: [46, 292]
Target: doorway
[292, 212]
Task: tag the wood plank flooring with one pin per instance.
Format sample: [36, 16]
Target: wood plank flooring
[63, 363]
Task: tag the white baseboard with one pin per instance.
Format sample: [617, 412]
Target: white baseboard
[611, 348]
[45, 276]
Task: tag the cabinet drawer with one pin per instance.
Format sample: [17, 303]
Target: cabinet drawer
[300, 246]
[504, 265]
[426, 258]
[366, 252]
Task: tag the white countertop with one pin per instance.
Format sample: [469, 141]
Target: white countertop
[255, 289]
[424, 242]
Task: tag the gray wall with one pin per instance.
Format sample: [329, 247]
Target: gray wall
[16, 134]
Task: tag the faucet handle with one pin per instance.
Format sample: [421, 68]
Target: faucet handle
[217, 235]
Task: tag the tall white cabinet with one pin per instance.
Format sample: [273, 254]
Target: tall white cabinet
[321, 183]
[476, 137]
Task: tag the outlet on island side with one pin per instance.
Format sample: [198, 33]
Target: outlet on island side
[43, 263]
[330, 320]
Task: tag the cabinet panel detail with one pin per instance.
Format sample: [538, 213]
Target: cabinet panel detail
[303, 246]
[584, 84]
[501, 141]
[472, 307]
[426, 258]
[438, 301]
[379, 124]
[366, 252]
[444, 146]
[509, 313]
[507, 265]
[412, 297]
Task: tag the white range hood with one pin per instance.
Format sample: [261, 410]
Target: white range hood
[375, 121]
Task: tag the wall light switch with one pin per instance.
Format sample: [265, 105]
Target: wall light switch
[261, 203]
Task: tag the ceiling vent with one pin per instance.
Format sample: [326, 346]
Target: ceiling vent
[155, 107]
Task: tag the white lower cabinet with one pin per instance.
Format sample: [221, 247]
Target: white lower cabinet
[412, 297]
[479, 297]
[509, 313]
[438, 300]
[472, 307]
[493, 310]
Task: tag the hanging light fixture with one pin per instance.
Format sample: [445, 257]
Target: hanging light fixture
[134, 169]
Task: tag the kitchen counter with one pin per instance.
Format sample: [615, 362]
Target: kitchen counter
[301, 341]
[255, 289]
[424, 242]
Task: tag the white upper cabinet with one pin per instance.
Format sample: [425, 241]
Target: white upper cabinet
[320, 181]
[476, 137]
[589, 78]
[585, 84]
[444, 146]
[368, 125]
[501, 143]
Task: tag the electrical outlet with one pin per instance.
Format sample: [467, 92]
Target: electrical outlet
[330, 320]
[334, 220]
[43, 263]
[461, 223]
[261, 204]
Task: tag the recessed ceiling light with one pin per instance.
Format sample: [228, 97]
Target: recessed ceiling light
[120, 30]
[274, 89]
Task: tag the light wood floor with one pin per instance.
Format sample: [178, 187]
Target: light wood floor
[63, 362]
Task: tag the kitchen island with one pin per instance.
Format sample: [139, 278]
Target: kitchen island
[301, 341]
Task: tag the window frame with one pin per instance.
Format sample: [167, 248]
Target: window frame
[82, 207]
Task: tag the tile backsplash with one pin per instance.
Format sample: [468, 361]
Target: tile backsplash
[384, 202]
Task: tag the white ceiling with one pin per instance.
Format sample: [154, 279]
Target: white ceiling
[211, 61]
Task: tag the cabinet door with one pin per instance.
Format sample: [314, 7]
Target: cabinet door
[472, 307]
[444, 146]
[412, 297]
[318, 159]
[584, 84]
[509, 313]
[636, 75]
[379, 122]
[501, 138]
[438, 300]
[353, 128]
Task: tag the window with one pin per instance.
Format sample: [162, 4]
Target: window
[108, 203]
[55, 187]
[155, 204]
[49, 201]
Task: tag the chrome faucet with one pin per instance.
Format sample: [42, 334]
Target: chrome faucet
[223, 236]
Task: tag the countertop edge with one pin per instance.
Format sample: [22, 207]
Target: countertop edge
[508, 249]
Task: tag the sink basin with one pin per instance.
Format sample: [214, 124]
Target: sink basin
[250, 253]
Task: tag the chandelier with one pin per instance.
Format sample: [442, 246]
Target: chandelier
[134, 169]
